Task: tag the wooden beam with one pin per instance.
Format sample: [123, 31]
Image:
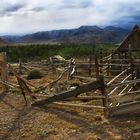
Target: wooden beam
[9, 84]
[78, 105]
[118, 60]
[3, 59]
[120, 82]
[110, 82]
[123, 90]
[20, 66]
[85, 98]
[134, 92]
[15, 73]
[97, 71]
[125, 83]
[90, 65]
[105, 100]
[125, 98]
[89, 79]
[68, 94]
[119, 64]
[128, 108]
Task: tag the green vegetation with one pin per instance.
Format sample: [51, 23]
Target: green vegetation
[34, 74]
[73, 82]
[38, 52]
[45, 133]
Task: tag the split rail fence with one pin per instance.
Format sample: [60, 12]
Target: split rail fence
[114, 81]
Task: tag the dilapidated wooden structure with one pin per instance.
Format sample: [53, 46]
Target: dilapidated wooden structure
[113, 79]
[130, 43]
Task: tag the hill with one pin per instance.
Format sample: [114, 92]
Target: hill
[81, 35]
[2, 42]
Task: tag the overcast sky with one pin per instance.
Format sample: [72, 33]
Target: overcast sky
[27, 16]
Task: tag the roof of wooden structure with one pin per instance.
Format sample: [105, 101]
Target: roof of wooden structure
[133, 40]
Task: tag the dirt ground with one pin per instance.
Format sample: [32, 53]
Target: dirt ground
[20, 122]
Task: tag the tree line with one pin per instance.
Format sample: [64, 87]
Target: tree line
[38, 52]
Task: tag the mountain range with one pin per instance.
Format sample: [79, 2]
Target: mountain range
[81, 35]
[2, 41]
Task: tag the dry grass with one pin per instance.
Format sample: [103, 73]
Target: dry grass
[20, 122]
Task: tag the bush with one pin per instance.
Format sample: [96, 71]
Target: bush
[34, 74]
[73, 82]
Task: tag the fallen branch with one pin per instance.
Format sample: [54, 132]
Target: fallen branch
[8, 85]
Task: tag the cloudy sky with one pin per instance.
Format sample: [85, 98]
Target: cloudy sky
[27, 16]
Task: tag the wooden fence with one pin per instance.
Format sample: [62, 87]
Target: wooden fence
[112, 80]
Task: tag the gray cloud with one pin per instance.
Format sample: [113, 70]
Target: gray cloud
[36, 15]
[128, 21]
[86, 4]
[77, 4]
[14, 8]
[9, 8]
[38, 9]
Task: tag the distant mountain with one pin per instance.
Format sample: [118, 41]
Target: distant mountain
[2, 42]
[10, 38]
[81, 35]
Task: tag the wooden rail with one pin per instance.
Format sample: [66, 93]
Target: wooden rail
[125, 108]
[68, 94]
[125, 83]
[125, 98]
[78, 105]
[110, 82]
[120, 82]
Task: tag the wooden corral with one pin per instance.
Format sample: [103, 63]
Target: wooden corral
[113, 79]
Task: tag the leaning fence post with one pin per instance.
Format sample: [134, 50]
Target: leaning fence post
[3, 60]
[105, 99]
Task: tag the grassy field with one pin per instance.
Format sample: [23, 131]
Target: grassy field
[38, 52]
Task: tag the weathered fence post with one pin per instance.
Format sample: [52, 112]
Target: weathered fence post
[96, 68]
[20, 66]
[72, 68]
[104, 93]
[3, 60]
[101, 61]
[119, 56]
[90, 65]
[138, 73]
[125, 55]
[112, 54]
[138, 76]
[131, 64]
[52, 67]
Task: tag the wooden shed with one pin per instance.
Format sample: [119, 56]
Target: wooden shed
[132, 41]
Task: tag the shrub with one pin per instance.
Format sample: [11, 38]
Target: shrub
[73, 82]
[34, 74]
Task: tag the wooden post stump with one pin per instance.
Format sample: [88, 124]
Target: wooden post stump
[90, 65]
[20, 66]
[104, 93]
[3, 62]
